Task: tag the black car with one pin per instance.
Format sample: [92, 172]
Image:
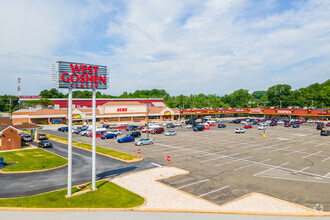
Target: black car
[320, 126]
[135, 134]
[221, 125]
[45, 143]
[131, 128]
[26, 138]
[170, 125]
[325, 133]
[42, 137]
[295, 126]
[273, 124]
[198, 128]
[190, 121]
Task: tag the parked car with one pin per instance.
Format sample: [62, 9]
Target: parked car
[126, 139]
[287, 125]
[131, 128]
[42, 137]
[146, 130]
[247, 126]
[325, 133]
[170, 125]
[295, 126]
[26, 138]
[328, 124]
[261, 127]
[221, 125]
[319, 126]
[65, 129]
[135, 134]
[273, 124]
[144, 141]
[170, 133]
[198, 128]
[45, 143]
[177, 124]
[190, 121]
[105, 126]
[115, 131]
[189, 126]
[109, 136]
[239, 130]
[140, 127]
[157, 131]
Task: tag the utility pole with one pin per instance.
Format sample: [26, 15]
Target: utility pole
[264, 109]
[280, 104]
[9, 105]
[148, 117]
[312, 103]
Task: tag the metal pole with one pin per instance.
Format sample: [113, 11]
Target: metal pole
[70, 143]
[94, 142]
[147, 116]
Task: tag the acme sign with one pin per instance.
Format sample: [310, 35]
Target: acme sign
[80, 75]
[121, 109]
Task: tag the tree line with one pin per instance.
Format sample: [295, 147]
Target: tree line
[315, 95]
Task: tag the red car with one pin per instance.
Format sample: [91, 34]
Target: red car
[140, 128]
[157, 131]
[287, 125]
[247, 126]
[299, 122]
[328, 124]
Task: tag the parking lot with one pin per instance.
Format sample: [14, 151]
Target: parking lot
[289, 163]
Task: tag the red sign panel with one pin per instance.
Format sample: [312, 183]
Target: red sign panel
[138, 151]
[121, 109]
[30, 97]
[168, 158]
[282, 111]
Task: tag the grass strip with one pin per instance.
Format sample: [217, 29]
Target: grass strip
[31, 160]
[106, 151]
[108, 195]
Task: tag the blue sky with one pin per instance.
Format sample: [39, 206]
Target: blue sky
[184, 47]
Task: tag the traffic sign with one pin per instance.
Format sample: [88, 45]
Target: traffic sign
[139, 151]
[168, 158]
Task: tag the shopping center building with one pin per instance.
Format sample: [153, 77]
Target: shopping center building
[107, 111]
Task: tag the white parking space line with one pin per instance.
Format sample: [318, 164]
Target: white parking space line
[283, 139]
[296, 151]
[325, 176]
[321, 144]
[204, 161]
[193, 183]
[312, 154]
[299, 171]
[279, 149]
[203, 155]
[272, 168]
[234, 160]
[250, 165]
[213, 191]
[266, 147]
[156, 164]
[325, 159]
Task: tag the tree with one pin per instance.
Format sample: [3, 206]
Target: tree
[259, 94]
[278, 93]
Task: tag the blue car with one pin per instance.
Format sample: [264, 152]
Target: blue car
[108, 136]
[126, 139]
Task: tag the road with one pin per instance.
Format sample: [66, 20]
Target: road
[26, 184]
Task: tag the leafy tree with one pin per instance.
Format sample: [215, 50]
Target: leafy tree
[278, 93]
[259, 94]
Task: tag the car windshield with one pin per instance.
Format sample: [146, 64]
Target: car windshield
[47, 141]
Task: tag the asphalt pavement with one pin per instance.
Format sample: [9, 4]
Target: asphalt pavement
[26, 184]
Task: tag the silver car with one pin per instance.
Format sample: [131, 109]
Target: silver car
[170, 133]
[144, 141]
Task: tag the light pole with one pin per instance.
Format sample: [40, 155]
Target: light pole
[148, 117]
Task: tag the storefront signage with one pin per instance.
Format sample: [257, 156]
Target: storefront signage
[30, 97]
[239, 110]
[76, 116]
[167, 113]
[284, 111]
[80, 75]
[121, 109]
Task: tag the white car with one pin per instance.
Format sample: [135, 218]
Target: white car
[310, 121]
[154, 125]
[239, 130]
[170, 133]
[115, 131]
[84, 133]
[189, 126]
[177, 124]
[144, 141]
[261, 127]
[280, 122]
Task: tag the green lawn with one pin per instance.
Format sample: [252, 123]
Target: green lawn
[106, 151]
[32, 159]
[108, 195]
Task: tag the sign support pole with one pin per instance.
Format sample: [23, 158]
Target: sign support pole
[94, 141]
[70, 142]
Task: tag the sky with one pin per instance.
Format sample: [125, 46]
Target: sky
[182, 46]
